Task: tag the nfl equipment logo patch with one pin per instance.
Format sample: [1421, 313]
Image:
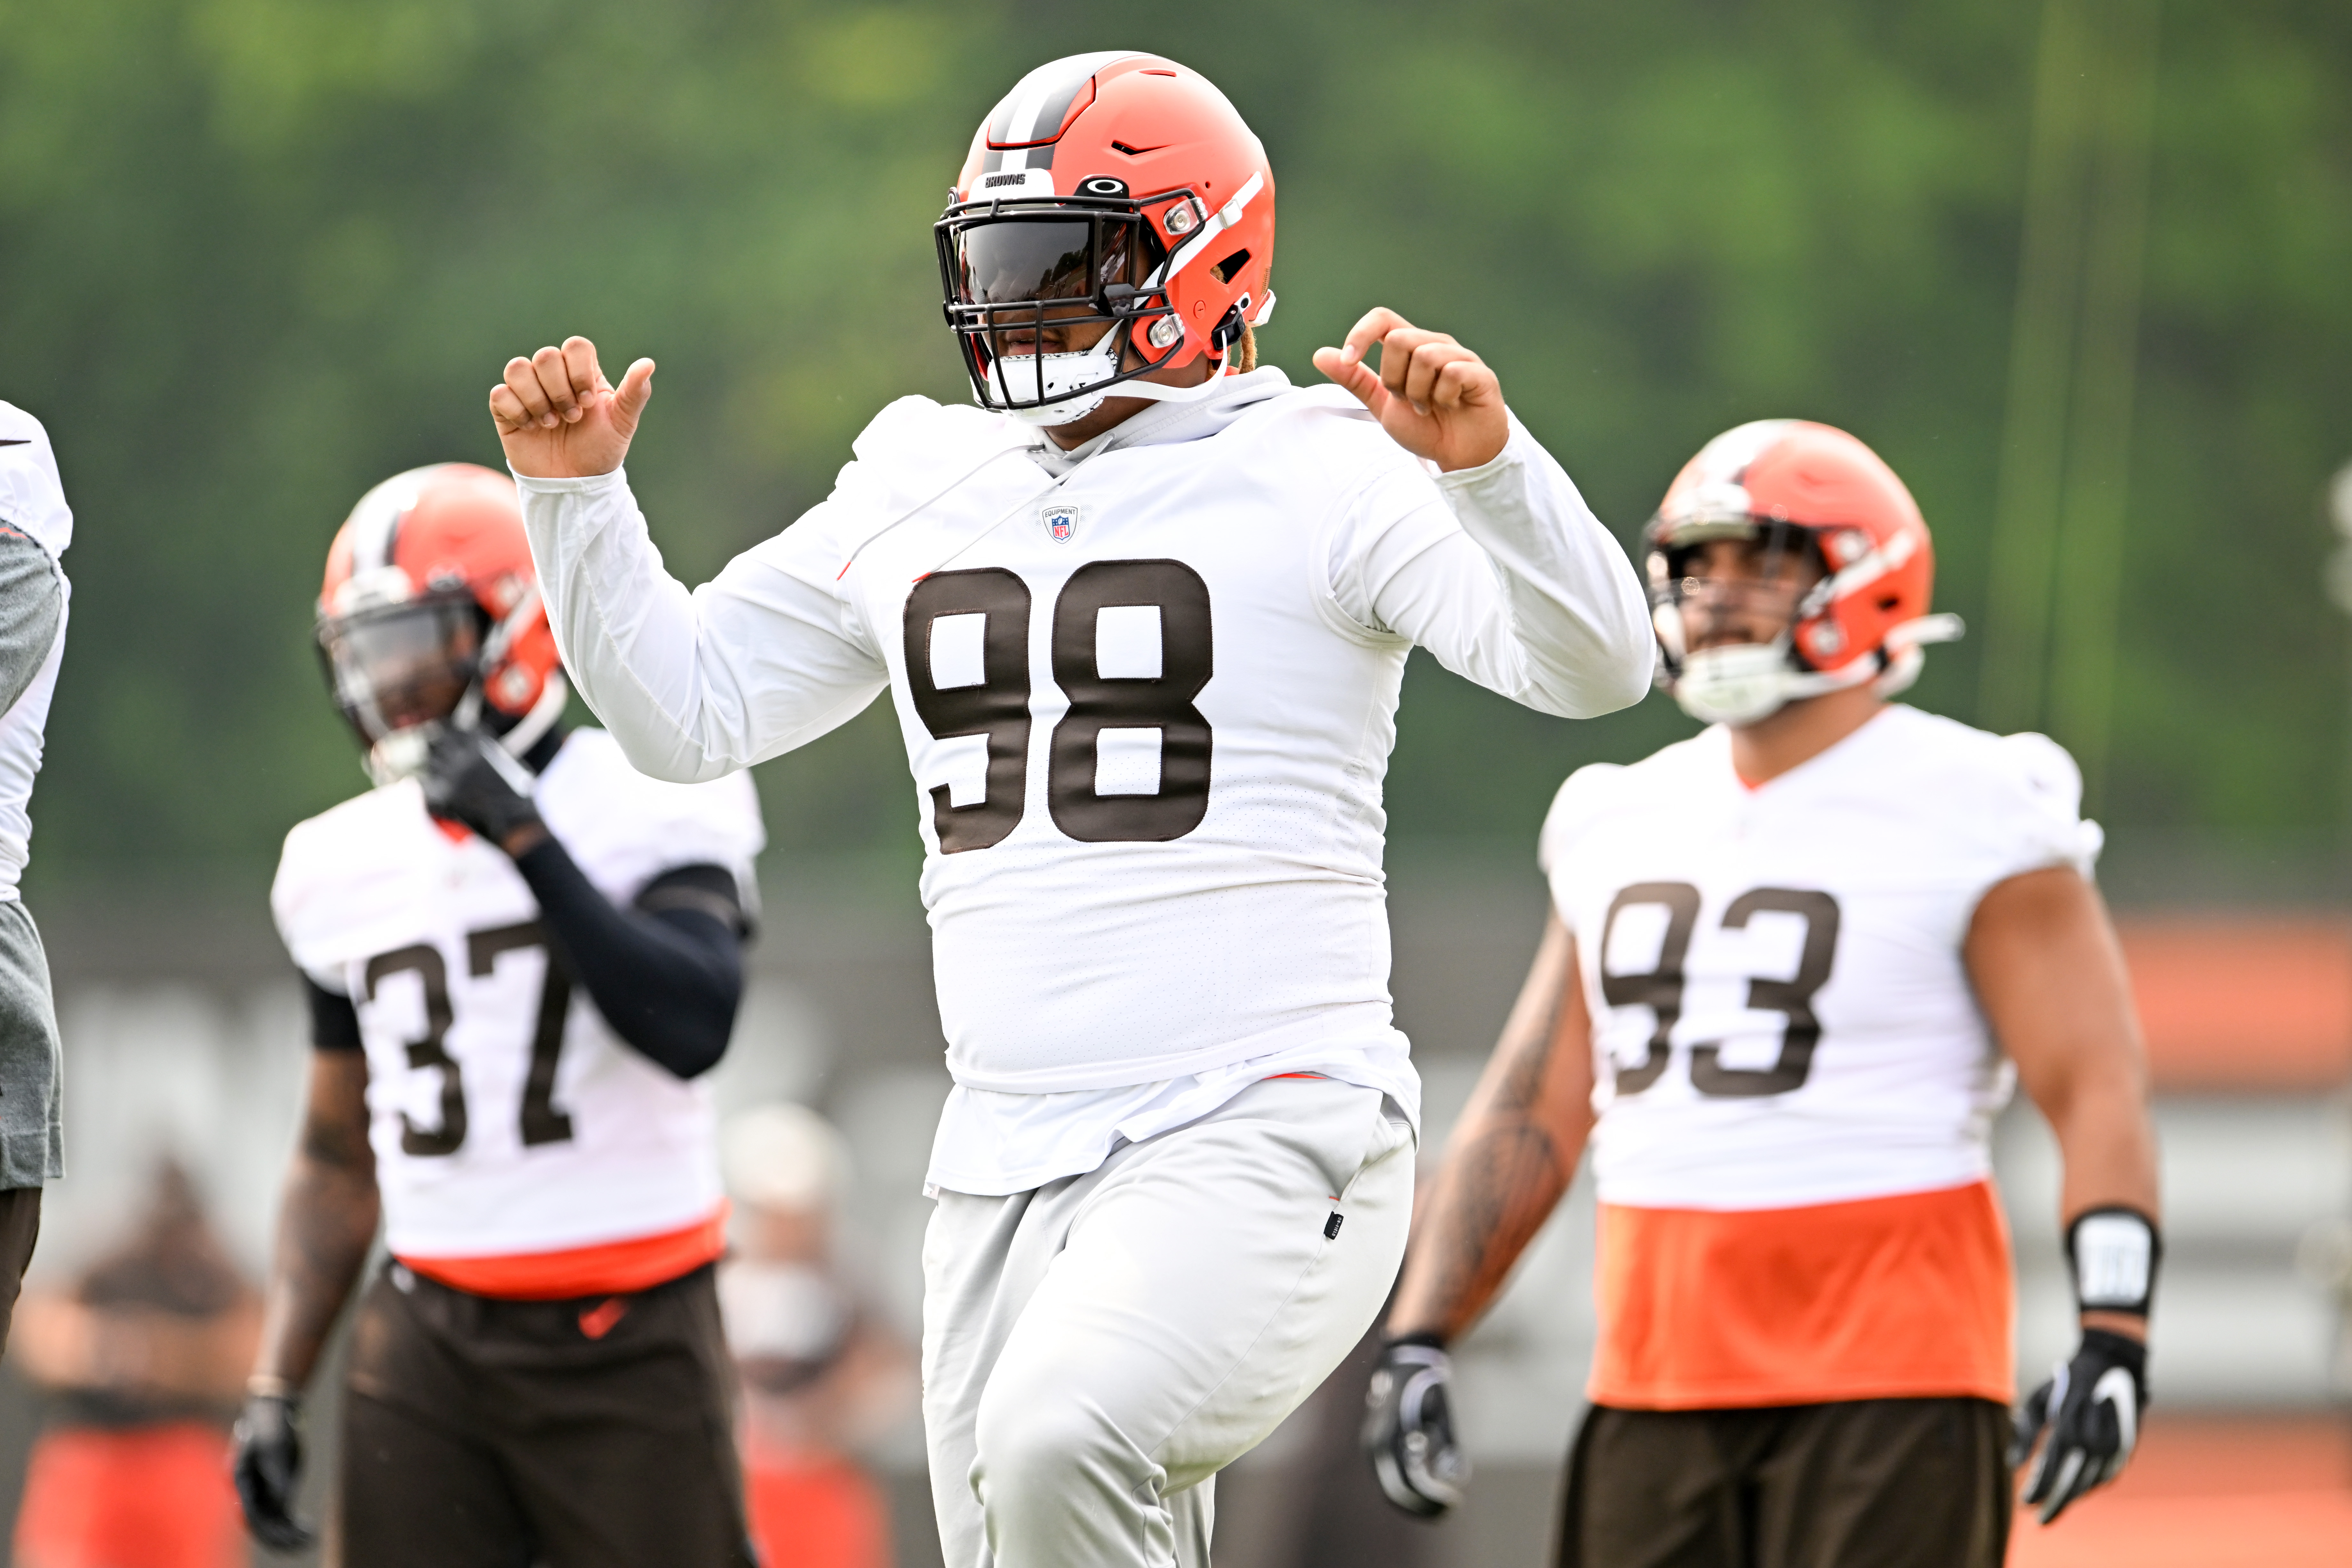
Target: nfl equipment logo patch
[1061, 519]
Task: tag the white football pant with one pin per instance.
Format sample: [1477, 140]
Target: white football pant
[1095, 1350]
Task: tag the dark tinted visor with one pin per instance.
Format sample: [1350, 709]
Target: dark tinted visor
[404, 664]
[1014, 260]
[1764, 549]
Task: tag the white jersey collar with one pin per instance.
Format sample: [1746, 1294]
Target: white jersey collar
[1167, 422]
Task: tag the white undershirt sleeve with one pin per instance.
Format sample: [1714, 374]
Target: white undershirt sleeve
[1507, 578]
[763, 657]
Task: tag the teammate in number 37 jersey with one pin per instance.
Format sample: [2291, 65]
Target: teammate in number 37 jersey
[521, 956]
[1793, 966]
[1143, 617]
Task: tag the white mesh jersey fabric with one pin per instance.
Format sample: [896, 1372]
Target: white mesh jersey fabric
[1876, 852]
[375, 887]
[1068, 964]
[1229, 594]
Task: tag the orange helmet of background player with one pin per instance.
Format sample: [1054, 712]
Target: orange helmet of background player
[1797, 485]
[1116, 190]
[430, 612]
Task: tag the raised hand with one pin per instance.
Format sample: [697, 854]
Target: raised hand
[1434, 398]
[468, 778]
[559, 418]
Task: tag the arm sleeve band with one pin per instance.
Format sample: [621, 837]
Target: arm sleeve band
[710, 890]
[2114, 1253]
[668, 975]
[334, 1020]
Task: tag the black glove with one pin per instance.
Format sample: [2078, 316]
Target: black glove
[1409, 1427]
[269, 1468]
[469, 779]
[2091, 1407]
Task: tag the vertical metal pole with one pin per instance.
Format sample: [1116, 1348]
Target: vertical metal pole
[2058, 524]
[2040, 356]
[2098, 467]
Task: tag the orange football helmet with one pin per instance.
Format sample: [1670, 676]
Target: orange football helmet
[1119, 191]
[1797, 487]
[430, 612]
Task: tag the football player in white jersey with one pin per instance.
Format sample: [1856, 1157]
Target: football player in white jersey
[1142, 614]
[521, 955]
[1793, 965]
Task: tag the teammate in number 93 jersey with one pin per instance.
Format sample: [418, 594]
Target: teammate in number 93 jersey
[521, 957]
[1801, 944]
[1794, 965]
[1143, 616]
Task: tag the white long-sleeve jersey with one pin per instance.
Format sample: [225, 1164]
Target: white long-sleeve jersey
[1148, 705]
[33, 503]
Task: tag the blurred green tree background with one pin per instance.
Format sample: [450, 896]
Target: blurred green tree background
[256, 255]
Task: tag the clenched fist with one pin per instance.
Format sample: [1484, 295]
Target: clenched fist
[1436, 398]
[561, 419]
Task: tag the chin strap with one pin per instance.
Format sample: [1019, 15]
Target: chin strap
[1078, 406]
[1229, 340]
[402, 754]
[1744, 682]
[1160, 391]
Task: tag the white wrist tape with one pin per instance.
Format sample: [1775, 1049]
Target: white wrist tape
[2114, 1253]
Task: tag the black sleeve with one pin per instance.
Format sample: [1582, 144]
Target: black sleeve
[334, 1020]
[666, 974]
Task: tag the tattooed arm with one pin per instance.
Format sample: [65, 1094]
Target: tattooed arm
[325, 1224]
[1511, 1155]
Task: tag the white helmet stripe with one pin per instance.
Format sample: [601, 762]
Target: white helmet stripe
[1726, 458]
[1718, 492]
[375, 522]
[1022, 124]
[1034, 108]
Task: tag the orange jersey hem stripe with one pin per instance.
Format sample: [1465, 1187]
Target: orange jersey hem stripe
[1903, 1296]
[606, 1269]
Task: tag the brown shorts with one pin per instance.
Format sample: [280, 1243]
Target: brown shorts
[575, 1434]
[1919, 1483]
